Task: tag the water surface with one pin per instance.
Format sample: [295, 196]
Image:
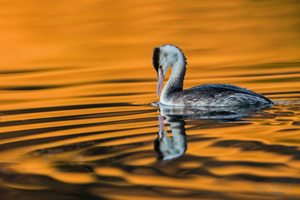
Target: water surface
[77, 83]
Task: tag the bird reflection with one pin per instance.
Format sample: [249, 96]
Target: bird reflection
[171, 142]
[172, 146]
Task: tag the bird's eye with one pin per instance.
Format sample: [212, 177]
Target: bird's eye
[165, 55]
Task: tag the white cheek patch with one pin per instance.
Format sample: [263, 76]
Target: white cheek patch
[176, 58]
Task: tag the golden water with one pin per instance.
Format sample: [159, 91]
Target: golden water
[76, 83]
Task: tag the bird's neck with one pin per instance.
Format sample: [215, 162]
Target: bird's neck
[175, 82]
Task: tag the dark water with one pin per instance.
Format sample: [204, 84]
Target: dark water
[77, 86]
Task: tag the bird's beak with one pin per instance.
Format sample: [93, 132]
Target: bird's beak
[160, 80]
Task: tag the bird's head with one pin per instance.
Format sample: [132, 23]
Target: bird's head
[163, 58]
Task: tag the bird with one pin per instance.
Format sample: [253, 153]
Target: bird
[208, 95]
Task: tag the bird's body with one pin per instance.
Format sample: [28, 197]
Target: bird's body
[203, 95]
[214, 95]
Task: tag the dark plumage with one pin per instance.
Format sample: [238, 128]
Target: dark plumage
[219, 95]
[155, 58]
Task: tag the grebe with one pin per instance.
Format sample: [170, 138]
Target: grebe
[203, 95]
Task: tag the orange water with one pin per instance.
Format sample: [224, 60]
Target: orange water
[76, 83]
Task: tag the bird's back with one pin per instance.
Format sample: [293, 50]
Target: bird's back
[218, 95]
